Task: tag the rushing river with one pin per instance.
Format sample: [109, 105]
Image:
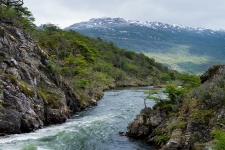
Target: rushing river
[95, 128]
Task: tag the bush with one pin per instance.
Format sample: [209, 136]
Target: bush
[19, 16]
[174, 93]
[162, 139]
[219, 138]
[81, 83]
[211, 94]
[190, 81]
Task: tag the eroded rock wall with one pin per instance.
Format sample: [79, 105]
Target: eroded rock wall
[30, 97]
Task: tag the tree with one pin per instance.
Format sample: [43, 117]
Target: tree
[11, 2]
[150, 93]
[11, 11]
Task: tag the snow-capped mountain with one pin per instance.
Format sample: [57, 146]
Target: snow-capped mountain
[182, 48]
[118, 22]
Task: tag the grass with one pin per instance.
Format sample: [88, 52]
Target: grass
[179, 58]
[26, 89]
[174, 60]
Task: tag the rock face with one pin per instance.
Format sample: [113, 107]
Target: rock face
[189, 127]
[212, 73]
[30, 97]
[144, 123]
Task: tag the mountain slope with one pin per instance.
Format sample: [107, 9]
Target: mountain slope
[189, 119]
[182, 48]
[47, 81]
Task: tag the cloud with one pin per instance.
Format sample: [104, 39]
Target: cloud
[201, 13]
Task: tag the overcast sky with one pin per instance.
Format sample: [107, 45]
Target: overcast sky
[194, 13]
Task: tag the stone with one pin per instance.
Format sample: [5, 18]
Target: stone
[23, 108]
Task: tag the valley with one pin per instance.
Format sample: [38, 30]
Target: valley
[181, 48]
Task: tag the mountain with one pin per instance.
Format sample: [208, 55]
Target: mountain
[182, 48]
[47, 81]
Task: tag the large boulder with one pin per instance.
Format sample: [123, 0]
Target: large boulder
[144, 123]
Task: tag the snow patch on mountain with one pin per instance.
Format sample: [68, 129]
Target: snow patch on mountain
[116, 22]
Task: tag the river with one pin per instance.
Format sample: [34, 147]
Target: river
[95, 128]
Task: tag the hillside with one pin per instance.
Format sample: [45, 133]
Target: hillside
[190, 119]
[48, 75]
[181, 48]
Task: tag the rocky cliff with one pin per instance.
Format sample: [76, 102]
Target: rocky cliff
[30, 96]
[191, 126]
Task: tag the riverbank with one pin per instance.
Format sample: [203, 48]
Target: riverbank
[194, 121]
[92, 128]
[42, 84]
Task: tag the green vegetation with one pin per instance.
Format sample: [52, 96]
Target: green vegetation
[180, 49]
[172, 107]
[198, 106]
[88, 64]
[181, 61]
[150, 96]
[11, 77]
[175, 94]
[49, 95]
[23, 85]
[162, 139]
[18, 15]
[211, 94]
[26, 89]
[219, 138]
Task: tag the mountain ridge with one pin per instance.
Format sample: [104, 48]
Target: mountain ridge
[181, 48]
[108, 21]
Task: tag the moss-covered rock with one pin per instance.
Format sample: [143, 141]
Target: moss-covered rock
[192, 125]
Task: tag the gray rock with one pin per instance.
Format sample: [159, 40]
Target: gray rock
[25, 105]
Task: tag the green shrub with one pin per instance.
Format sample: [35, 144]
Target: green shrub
[219, 138]
[190, 80]
[162, 139]
[49, 95]
[173, 92]
[211, 94]
[81, 83]
[20, 16]
[204, 115]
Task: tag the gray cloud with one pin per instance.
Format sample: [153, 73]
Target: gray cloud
[200, 13]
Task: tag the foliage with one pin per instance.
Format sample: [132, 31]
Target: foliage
[11, 77]
[19, 16]
[211, 94]
[204, 115]
[219, 138]
[189, 80]
[48, 95]
[90, 63]
[175, 96]
[162, 139]
[174, 93]
[150, 96]
[26, 89]
[11, 2]
[180, 49]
